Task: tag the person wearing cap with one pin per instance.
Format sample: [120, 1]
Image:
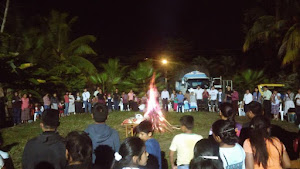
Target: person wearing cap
[48, 147]
[105, 140]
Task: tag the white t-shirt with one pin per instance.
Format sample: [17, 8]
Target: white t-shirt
[86, 95]
[248, 98]
[233, 158]
[199, 93]
[213, 94]
[96, 92]
[1, 162]
[184, 144]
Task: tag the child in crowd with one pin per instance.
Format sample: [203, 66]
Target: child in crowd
[180, 99]
[37, 111]
[132, 154]
[226, 113]
[231, 153]
[78, 150]
[184, 143]
[61, 107]
[175, 102]
[145, 132]
[206, 155]
[106, 141]
[109, 102]
[186, 105]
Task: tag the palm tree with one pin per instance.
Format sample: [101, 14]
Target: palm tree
[248, 79]
[139, 79]
[280, 29]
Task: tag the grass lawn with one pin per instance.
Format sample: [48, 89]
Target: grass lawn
[20, 134]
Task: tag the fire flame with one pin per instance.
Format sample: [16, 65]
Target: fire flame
[154, 113]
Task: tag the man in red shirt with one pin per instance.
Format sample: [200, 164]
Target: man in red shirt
[66, 97]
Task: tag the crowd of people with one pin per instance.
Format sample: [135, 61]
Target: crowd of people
[253, 145]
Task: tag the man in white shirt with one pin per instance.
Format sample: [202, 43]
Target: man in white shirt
[85, 98]
[248, 98]
[184, 143]
[199, 91]
[267, 102]
[213, 93]
[165, 96]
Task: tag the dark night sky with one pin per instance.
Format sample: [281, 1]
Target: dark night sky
[127, 27]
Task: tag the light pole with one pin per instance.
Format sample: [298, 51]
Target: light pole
[165, 62]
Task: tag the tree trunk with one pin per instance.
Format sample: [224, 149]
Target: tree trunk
[4, 16]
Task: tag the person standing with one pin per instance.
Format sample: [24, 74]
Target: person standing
[205, 96]
[228, 94]
[213, 94]
[165, 99]
[193, 101]
[16, 104]
[275, 102]
[66, 98]
[220, 98]
[131, 98]
[256, 95]
[199, 92]
[180, 99]
[116, 97]
[46, 101]
[267, 102]
[97, 91]
[288, 101]
[101, 97]
[248, 97]
[78, 103]
[71, 103]
[173, 98]
[85, 98]
[125, 101]
[297, 99]
[54, 102]
[25, 115]
[235, 101]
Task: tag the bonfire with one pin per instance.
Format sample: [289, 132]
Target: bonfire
[153, 110]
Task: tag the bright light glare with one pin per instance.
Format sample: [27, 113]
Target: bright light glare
[164, 61]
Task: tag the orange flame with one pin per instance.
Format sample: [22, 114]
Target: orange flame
[154, 113]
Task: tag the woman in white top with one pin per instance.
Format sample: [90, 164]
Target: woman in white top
[275, 102]
[231, 153]
[71, 103]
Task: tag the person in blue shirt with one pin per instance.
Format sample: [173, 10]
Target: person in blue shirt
[145, 132]
[180, 98]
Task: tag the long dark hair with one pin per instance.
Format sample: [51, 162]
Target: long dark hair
[227, 111]
[132, 146]
[258, 136]
[225, 129]
[206, 147]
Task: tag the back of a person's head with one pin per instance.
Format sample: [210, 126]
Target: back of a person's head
[79, 147]
[145, 126]
[44, 165]
[206, 155]
[100, 113]
[227, 111]
[259, 126]
[255, 108]
[50, 118]
[226, 131]
[132, 146]
[187, 121]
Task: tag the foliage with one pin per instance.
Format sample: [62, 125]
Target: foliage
[280, 30]
[139, 79]
[291, 81]
[248, 79]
